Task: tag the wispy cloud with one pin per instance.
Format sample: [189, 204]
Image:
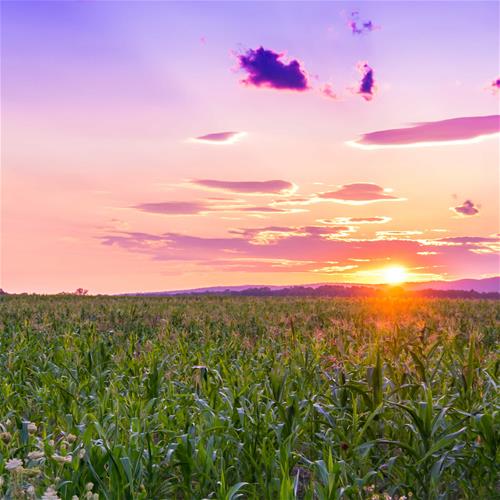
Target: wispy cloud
[272, 234]
[213, 205]
[358, 26]
[220, 138]
[451, 131]
[276, 186]
[173, 207]
[328, 91]
[356, 220]
[266, 68]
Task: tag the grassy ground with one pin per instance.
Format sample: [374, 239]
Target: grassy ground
[211, 397]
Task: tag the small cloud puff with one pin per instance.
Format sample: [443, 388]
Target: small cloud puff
[219, 138]
[358, 26]
[328, 91]
[266, 69]
[359, 194]
[367, 85]
[467, 209]
[494, 86]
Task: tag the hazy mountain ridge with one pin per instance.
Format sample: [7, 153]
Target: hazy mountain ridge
[478, 286]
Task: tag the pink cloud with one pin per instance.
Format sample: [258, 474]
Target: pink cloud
[358, 194]
[455, 129]
[265, 68]
[328, 91]
[272, 234]
[209, 206]
[220, 137]
[467, 208]
[314, 247]
[275, 186]
[495, 86]
[173, 207]
[356, 220]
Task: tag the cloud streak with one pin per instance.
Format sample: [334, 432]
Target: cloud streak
[450, 131]
[356, 220]
[175, 208]
[219, 138]
[276, 186]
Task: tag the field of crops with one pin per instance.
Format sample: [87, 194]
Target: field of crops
[220, 397]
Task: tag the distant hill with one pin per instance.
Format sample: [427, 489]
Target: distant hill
[484, 285]
[474, 287]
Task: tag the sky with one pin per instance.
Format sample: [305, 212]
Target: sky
[170, 145]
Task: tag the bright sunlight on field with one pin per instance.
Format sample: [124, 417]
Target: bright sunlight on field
[212, 397]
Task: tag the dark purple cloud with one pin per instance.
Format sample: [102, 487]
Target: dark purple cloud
[454, 129]
[275, 186]
[266, 69]
[220, 137]
[367, 84]
[358, 26]
[359, 193]
[466, 208]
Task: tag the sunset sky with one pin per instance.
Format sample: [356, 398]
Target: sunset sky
[155, 145]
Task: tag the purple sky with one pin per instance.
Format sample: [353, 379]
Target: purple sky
[166, 145]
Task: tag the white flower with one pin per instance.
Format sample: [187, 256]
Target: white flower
[50, 494]
[62, 459]
[89, 486]
[14, 465]
[35, 455]
[71, 438]
[32, 428]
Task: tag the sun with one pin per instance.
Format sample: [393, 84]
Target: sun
[394, 275]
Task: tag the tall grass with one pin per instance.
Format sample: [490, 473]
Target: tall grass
[212, 397]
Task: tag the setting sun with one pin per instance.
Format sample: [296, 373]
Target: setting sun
[395, 275]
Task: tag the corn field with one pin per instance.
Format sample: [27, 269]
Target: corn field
[238, 397]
